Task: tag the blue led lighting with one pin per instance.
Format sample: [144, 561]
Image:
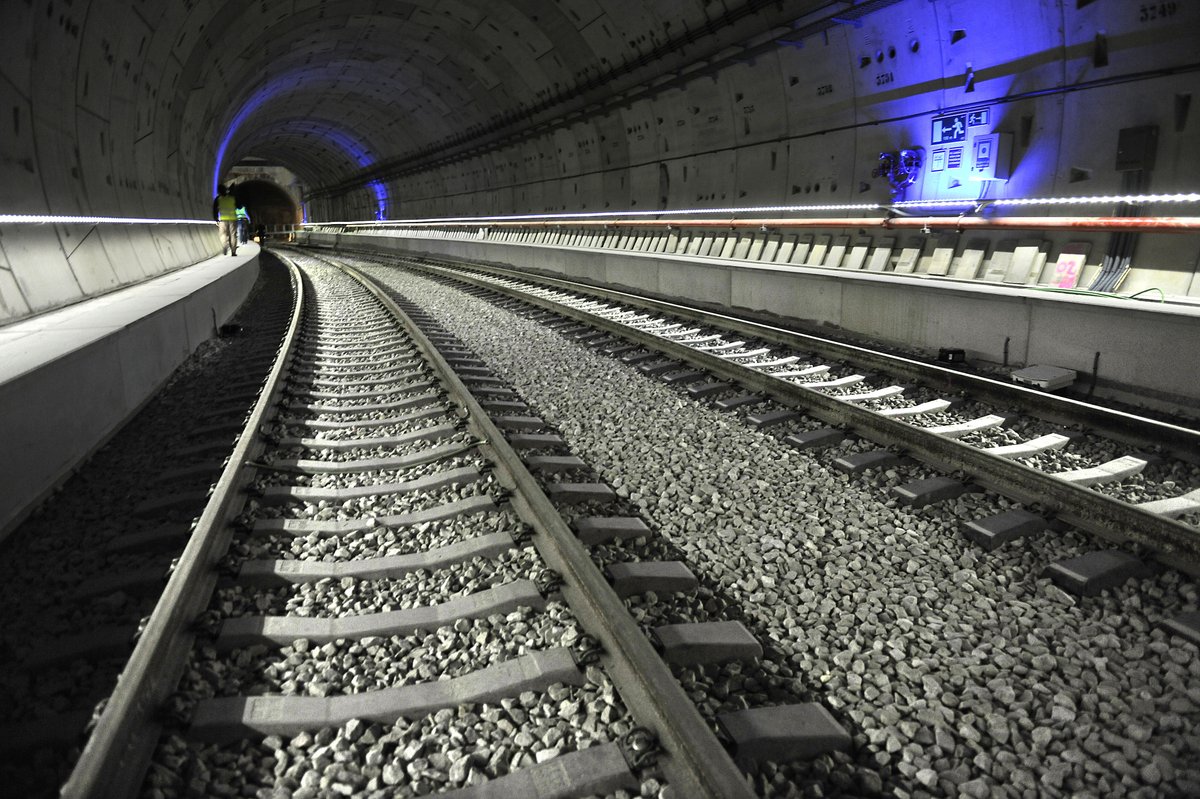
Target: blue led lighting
[356, 149]
[380, 199]
[252, 104]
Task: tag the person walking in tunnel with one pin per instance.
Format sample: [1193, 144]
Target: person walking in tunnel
[243, 223]
[225, 207]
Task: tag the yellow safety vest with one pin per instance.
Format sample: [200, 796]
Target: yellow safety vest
[226, 207]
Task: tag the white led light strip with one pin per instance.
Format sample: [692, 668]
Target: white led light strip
[1136, 199]
[31, 219]
[1133, 199]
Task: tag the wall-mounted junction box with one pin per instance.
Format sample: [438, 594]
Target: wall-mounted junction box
[991, 157]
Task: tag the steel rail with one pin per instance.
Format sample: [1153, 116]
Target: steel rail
[1175, 543]
[696, 764]
[114, 760]
[1096, 224]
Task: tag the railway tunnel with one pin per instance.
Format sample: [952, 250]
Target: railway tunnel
[1001, 192]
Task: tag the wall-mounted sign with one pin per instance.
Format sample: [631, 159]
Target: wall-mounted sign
[979, 117]
[954, 158]
[949, 128]
[953, 127]
[937, 160]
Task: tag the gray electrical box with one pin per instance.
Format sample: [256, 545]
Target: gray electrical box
[1045, 377]
[1136, 148]
[991, 157]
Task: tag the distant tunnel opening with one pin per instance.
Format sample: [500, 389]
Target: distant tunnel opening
[267, 203]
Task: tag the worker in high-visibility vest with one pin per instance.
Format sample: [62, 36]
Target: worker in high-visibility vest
[225, 212]
[243, 219]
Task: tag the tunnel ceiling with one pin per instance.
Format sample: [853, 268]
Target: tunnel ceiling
[341, 92]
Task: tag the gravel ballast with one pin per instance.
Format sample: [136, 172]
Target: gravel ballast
[398, 760]
[304, 668]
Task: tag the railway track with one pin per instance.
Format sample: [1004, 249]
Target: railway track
[328, 650]
[429, 566]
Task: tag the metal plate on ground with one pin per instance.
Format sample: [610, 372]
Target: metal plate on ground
[1048, 378]
[784, 732]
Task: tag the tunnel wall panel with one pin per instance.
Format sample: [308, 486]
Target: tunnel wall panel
[817, 86]
[94, 267]
[761, 174]
[758, 115]
[101, 260]
[590, 190]
[43, 274]
[19, 157]
[63, 175]
[586, 141]
[703, 116]
[12, 301]
[820, 168]
[642, 130]
[614, 143]
[644, 184]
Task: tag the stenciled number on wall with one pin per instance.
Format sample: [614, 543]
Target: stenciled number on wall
[1148, 12]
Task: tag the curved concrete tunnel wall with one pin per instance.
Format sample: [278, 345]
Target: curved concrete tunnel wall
[803, 123]
[426, 108]
[85, 94]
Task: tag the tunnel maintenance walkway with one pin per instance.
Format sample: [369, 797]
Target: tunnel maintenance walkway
[70, 377]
